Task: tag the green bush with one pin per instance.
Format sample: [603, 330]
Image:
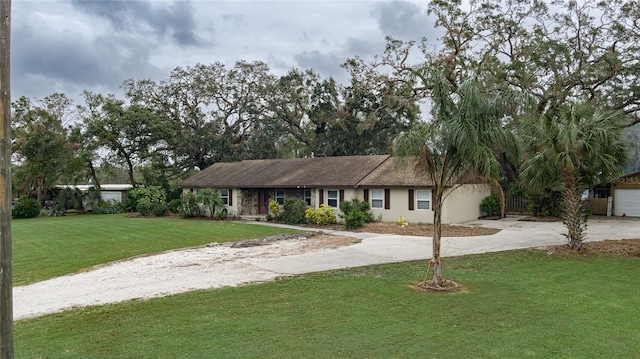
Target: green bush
[56, 210]
[221, 216]
[293, 211]
[209, 198]
[322, 216]
[490, 206]
[160, 209]
[26, 208]
[175, 205]
[356, 213]
[148, 200]
[109, 207]
[190, 207]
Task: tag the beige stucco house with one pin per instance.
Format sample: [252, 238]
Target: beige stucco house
[392, 191]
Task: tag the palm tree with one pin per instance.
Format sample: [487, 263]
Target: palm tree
[577, 149]
[454, 144]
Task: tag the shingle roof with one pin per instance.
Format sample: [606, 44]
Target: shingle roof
[343, 171]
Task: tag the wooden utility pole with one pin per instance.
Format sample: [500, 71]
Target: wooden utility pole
[6, 270]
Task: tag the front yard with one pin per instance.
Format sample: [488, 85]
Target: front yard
[518, 304]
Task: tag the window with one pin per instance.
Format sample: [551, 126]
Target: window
[307, 196]
[280, 196]
[332, 198]
[224, 195]
[377, 198]
[423, 198]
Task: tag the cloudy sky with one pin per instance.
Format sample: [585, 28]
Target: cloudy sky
[74, 45]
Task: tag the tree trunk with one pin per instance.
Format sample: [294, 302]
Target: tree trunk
[573, 211]
[94, 176]
[436, 280]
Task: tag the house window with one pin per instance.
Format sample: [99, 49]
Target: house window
[423, 199]
[332, 198]
[307, 196]
[377, 198]
[280, 196]
[224, 195]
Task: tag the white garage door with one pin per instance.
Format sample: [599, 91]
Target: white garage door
[109, 195]
[627, 202]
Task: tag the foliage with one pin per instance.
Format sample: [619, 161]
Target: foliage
[160, 209]
[356, 213]
[222, 215]
[190, 207]
[175, 205]
[580, 147]
[293, 211]
[56, 209]
[26, 208]
[41, 146]
[402, 222]
[109, 207]
[322, 216]
[490, 205]
[274, 208]
[148, 200]
[210, 199]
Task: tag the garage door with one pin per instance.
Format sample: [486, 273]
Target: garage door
[627, 202]
[109, 195]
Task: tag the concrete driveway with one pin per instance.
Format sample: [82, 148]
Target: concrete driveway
[214, 267]
[384, 248]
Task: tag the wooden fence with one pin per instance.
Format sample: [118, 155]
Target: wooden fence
[597, 206]
[516, 204]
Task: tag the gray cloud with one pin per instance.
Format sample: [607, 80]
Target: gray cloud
[55, 61]
[161, 19]
[403, 20]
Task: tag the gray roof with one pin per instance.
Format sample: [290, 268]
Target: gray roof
[318, 172]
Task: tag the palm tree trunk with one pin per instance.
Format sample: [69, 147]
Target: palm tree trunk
[437, 281]
[573, 210]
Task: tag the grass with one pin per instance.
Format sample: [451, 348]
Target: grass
[47, 247]
[524, 304]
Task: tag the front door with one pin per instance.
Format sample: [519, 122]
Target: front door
[263, 201]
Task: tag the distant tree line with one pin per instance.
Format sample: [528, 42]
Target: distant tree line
[543, 60]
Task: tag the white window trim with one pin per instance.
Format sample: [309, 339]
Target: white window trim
[374, 198]
[418, 201]
[225, 198]
[278, 197]
[307, 199]
[337, 198]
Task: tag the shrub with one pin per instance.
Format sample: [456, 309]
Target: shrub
[274, 207]
[190, 207]
[210, 199]
[356, 213]
[293, 211]
[160, 209]
[321, 216]
[26, 208]
[109, 207]
[175, 205]
[148, 200]
[222, 215]
[490, 206]
[55, 209]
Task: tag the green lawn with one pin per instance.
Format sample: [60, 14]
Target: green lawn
[47, 247]
[520, 304]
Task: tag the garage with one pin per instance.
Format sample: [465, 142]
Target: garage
[626, 195]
